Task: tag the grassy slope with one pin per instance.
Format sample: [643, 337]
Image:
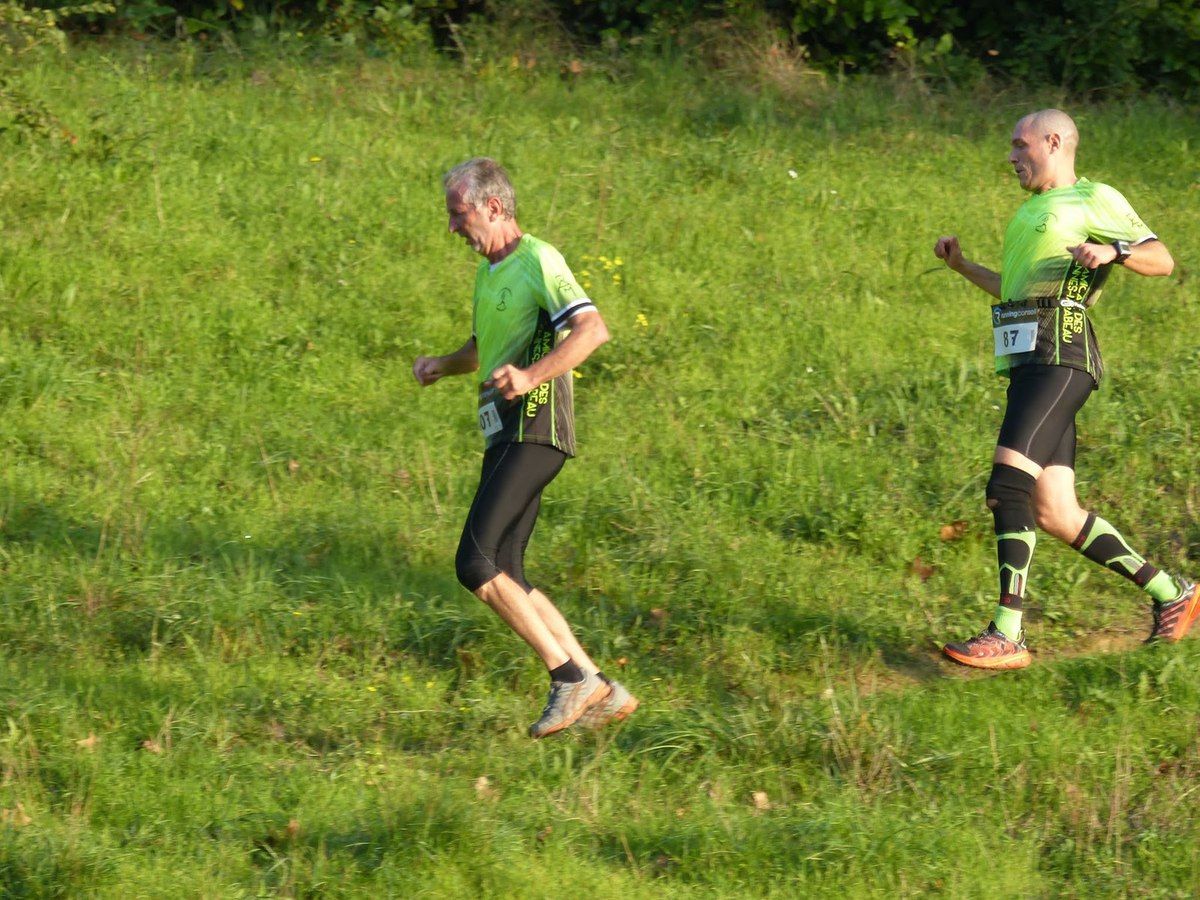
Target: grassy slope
[229, 514]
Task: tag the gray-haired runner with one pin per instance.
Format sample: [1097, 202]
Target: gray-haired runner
[532, 324]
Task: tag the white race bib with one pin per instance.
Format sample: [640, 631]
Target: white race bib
[489, 419]
[1018, 337]
[1015, 329]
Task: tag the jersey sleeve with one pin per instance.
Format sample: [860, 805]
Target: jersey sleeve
[1111, 218]
[562, 296]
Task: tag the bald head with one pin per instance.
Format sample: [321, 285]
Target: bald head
[1043, 150]
[1047, 122]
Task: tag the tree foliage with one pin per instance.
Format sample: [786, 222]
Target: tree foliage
[1085, 46]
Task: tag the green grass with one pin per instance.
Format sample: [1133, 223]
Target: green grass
[234, 659]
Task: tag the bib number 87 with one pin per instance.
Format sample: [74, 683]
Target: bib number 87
[1015, 337]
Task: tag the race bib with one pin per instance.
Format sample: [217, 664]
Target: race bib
[1015, 330]
[489, 419]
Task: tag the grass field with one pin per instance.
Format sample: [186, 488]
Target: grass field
[234, 659]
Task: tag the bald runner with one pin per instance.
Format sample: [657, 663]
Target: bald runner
[1059, 250]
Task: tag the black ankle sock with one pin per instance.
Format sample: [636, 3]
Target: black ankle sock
[568, 671]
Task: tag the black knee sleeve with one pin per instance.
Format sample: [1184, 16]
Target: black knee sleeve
[472, 567]
[1010, 495]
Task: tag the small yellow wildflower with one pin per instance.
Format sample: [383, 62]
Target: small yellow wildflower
[314, 159]
[642, 321]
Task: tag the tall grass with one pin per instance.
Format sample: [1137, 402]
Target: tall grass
[233, 645]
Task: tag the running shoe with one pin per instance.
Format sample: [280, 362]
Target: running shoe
[613, 708]
[567, 702]
[1172, 620]
[990, 649]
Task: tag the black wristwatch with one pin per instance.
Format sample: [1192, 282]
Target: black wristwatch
[1123, 251]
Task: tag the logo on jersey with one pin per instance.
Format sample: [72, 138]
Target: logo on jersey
[1079, 282]
[505, 296]
[564, 285]
[543, 343]
[1045, 220]
[1072, 324]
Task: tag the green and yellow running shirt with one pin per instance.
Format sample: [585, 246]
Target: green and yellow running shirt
[1042, 317]
[522, 307]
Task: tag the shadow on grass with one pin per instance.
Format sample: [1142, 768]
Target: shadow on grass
[174, 583]
[337, 584]
[841, 634]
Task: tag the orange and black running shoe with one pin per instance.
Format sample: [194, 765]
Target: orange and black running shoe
[990, 649]
[1172, 620]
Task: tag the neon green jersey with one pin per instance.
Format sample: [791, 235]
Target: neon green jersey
[1042, 318]
[522, 306]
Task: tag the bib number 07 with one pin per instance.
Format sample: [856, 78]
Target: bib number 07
[489, 419]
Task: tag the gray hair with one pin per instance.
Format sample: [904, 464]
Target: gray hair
[480, 178]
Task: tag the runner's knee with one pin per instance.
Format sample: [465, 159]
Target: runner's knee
[1009, 496]
[1060, 520]
[1046, 514]
[472, 567]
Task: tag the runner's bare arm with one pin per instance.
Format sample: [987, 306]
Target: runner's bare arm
[1147, 258]
[588, 332]
[948, 250]
[463, 361]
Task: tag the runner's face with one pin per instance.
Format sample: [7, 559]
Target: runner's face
[473, 223]
[1030, 157]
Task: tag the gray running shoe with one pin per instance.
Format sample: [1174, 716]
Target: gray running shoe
[613, 708]
[567, 703]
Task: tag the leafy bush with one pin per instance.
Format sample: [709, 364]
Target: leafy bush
[1089, 45]
[1085, 46]
[22, 28]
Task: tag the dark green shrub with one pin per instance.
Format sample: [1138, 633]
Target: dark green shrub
[1083, 46]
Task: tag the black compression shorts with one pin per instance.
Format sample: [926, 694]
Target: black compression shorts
[1039, 420]
[504, 511]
